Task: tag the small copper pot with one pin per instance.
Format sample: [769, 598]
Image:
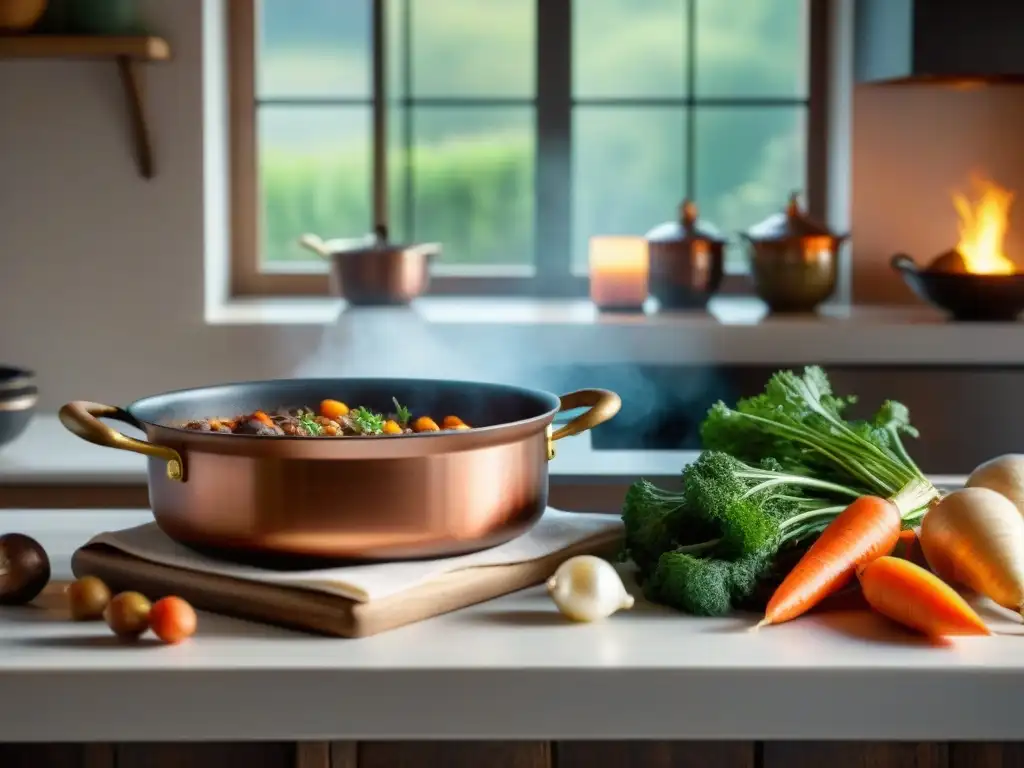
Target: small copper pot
[371, 272]
[686, 261]
[794, 260]
[349, 498]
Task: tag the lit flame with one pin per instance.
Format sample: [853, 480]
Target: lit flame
[983, 226]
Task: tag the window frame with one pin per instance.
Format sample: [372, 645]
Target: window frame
[551, 275]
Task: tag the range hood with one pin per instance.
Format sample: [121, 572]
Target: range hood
[939, 41]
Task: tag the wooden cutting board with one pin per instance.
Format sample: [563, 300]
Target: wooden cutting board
[321, 613]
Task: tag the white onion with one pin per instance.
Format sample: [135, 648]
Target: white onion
[587, 588]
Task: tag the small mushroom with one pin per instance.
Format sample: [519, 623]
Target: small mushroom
[24, 569]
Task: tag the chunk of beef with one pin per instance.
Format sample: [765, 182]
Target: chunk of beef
[257, 427]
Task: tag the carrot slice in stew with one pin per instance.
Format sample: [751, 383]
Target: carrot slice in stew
[333, 409]
[262, 417]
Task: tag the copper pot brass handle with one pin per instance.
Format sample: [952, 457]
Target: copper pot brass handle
[83, 418]
[601, 405]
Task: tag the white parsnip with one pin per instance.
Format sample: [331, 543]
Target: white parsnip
[975, 537]
[1003, 474]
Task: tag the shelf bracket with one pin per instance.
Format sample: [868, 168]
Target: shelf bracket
[128, 68]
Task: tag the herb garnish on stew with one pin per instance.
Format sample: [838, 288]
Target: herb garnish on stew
[308, 422]
[366, 422]
[402, 413]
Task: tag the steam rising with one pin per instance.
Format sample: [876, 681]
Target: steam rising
[386, 342]
[398, 342]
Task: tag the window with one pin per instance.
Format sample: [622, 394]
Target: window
[515, 129]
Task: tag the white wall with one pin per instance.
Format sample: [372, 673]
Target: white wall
[101, 272]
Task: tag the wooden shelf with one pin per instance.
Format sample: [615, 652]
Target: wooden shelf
[128, 52]
[141, 48]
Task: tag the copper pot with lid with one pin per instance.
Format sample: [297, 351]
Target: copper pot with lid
[794, 260]
[371, 271]
[686, 260]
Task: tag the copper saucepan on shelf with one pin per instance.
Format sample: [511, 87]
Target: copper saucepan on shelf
[374, 272]
[385, 497]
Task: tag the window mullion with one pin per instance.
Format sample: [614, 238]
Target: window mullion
[408, 160]
[553, 159]
[690, 138]
[818, 76]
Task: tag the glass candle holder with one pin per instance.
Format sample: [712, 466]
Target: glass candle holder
[618, 272]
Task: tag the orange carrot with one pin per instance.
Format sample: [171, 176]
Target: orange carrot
[333, 409]
[453, 422]
[262, 417]
[865, 530]
[425, 424]
[910, 595]
[391, 427]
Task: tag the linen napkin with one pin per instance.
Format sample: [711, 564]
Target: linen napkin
[555, 531]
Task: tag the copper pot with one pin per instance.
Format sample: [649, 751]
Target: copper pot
[364, 498]
[686, 261]
[794, 260]
[373, 272]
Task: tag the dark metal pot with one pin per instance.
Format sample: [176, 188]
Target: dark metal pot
[363, 498]
[18, 397]
[794, 260]
[686, 261]
[965, 297]
[373, 272]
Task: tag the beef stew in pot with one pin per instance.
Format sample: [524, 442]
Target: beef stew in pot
[333, 418]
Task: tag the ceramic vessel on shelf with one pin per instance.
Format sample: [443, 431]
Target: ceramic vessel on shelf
[794, 260]
[686, 260]
[20, 15]
[103, 17]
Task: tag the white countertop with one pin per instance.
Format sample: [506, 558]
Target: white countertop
[48, 454]
[510, 668]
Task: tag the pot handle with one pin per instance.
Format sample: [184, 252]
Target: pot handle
[430, 250]
[601, 405]
[83, 418]
[315, 244]
[901, 262]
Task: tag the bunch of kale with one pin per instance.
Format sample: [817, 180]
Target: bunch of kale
[776, 470]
